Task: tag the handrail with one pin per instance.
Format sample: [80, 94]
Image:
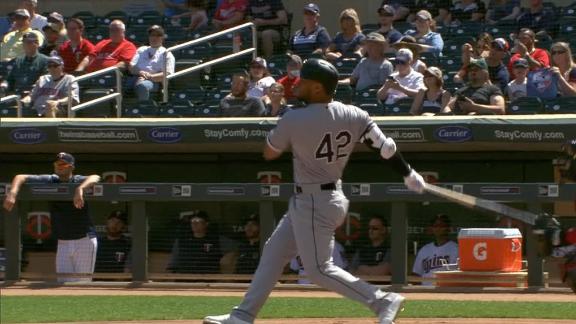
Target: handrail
[18, 103]
[166, 77]
[117, 95]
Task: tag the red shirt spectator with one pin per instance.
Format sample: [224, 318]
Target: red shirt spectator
[538, 54]
[288, 84]
[72, 56]
[107, 54]
[229, 13]
[292, 76]
[525, 47]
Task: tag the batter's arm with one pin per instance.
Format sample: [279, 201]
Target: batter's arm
[79, 193]
[11, 195]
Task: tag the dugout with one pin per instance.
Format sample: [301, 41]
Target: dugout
[504, 158]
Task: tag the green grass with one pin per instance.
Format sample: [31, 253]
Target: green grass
[27, 309]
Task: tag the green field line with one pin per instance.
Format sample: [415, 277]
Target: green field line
[36, 309]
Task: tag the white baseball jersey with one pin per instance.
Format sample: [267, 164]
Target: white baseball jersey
[46, 88]
[431, 258]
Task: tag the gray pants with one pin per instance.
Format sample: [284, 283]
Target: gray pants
[307, 230]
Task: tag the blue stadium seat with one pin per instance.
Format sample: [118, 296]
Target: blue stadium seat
[373, 109]
[560, 105]
[140, 109]
[502, 29]
[147, 19]
[88, 18]
[177, 108]
[208, 111]
[400, 108]
[137, 35]
[470, 28]
[449, 63]
[365, 96]
[525, 106]
[345, 66]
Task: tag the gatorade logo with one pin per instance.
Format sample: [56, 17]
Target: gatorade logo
[480, 251]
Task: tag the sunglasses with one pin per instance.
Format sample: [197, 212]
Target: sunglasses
[558, 52]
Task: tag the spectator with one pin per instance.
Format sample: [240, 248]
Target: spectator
[114, 246]
[501, 10]
[238, 103]
[52, 41]
[174, 7]
[77, 48]
[563, 65]
[11, 46]
[427, 38]
[49, 97]
[525, 47]
[404, 82]
[479, 49]
[249, 250]
[196, 10]
[410, 43]
[58, 20]
[373, 69]
[539, 18]
[439, 9]
[292, 76]
[148, 64]
[434, 255]
[401, 7]
[26, 69]
[70, 220]
[465, 11]
[338, 257]
[115, 51]
[385, 20]
[196, 250]
[347, 41]
[270, 18]
[37, 21]
[517, 87]
[229, 13]
[260, 78]
[312, 39]
[434, 98]
[479, 96]
[274, 101]
[373, 258]
[497, 71]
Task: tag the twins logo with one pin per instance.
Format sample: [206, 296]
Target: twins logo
[435, 262]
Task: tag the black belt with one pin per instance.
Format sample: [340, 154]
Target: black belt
[324, 186]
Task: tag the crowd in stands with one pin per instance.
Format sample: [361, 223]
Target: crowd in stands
[420, 57]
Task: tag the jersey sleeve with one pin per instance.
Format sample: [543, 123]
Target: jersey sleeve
[279, 137]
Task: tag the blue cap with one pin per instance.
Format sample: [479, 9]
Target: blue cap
[312, 7]
[66, 157]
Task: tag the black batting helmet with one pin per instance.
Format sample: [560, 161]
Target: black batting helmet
[321, 71]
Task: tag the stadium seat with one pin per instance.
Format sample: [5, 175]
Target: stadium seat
[368, 28]
[429, 58]
[502, 29]
[214, 96]
[8, 109]
[137, 35]
[449, 64]
[97, 34]
[194, 54]
[567, 29]
[174, 35]
[400, 108]
[114, 15]
[140, 109]
[525, 106]
[208, 111]
[345, 66]
[277, 64]
[365, 96]
[195, 95]
[88, 18]
[147, 19]
[560, 105]
[344, 93]
[470, 28]
[177, 109]
[373, 109]
[452, 48]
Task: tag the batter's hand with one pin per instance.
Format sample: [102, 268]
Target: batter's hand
[415, 182]
[79, 198]
[9, 201]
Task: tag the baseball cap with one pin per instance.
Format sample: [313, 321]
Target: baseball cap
[66, 157]
[321, 71]
[30, 36]
[51, 26]
[312, 7]
[387, 9]
[404, 55]
[21, 13]
[119, 215]
[55, 17]
[441, 220]
[478, 63]
[434, 71]
[199, 215]
[424, 14]
[56, 59]
[375, 37]
[501, 44]
[254, 218]
[521, 62]
[259, 61]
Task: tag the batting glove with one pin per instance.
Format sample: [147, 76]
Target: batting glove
[415, 182]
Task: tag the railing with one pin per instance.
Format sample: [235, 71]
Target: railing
[117, 95]
[18, 103]
[534, 195]
[167, 77]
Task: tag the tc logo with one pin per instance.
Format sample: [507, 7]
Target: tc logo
[480, 251]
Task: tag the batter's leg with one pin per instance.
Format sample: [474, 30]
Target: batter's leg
[315, 218]
[278, 251]
[64, 260]
[84, 257]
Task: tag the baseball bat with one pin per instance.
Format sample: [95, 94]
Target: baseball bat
[475, 202]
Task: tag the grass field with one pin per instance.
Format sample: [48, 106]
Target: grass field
[35, 309]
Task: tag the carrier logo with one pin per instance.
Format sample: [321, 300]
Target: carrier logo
[480, 251]
[165, 135]
[27, 136]
[453, 134]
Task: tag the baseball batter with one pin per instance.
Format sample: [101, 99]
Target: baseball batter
[321, 136]
[71, 224]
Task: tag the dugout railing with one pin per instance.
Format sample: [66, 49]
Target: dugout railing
[204, 65]
[18, 103]
[533, 195]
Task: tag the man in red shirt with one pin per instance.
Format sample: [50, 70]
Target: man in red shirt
[229, 14]
[115, 51]
[76, 48]
[292, 76]
[537, 58]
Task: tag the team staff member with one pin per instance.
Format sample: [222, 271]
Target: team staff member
[71, 223]
[322, 136]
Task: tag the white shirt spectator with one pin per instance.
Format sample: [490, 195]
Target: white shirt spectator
[338, 257]
[258, 89]
[515, 89]
[149, 59]
[413, 80]
[38, 22]
[431, 258]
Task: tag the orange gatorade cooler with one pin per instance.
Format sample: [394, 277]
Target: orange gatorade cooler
[490, 249]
